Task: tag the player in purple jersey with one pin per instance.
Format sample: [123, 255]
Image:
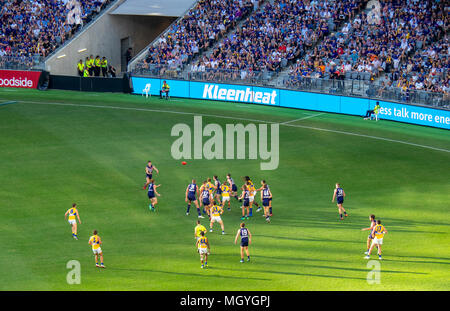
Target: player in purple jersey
[191, 196]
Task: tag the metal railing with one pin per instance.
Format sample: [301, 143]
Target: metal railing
[20, 62]
[359, 86]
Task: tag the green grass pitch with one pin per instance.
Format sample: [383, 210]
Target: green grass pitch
[56, 148]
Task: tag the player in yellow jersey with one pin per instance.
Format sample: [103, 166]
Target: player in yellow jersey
[216, 211]
[225, 195]
[95, 241]
[73, 215]
[211, 188]
[378, 233]
[203, 249]
[252, 192]
[199, 228]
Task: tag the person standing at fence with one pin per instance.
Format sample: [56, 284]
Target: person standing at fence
[97, 66]
[80, 68]
[104, 65]
[87, 65]
[91, 65]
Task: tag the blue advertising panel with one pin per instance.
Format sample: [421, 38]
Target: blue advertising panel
[296, 99]
[413, 114]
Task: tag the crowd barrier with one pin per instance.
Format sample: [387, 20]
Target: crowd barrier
[295, 99]
[90, 84]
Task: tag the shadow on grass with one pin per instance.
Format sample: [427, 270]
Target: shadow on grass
[362, 270]
[417, 261]
[191, 274]
[299, 274]
[323, 221]
[306, 239]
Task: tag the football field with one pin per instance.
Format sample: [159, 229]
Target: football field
[61, 147]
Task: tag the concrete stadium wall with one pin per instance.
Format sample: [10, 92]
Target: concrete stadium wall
[103, 37]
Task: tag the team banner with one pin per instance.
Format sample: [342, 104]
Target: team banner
[295, 99]
[19, 78]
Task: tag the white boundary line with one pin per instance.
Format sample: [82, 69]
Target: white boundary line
[304, 118]
[242, 119]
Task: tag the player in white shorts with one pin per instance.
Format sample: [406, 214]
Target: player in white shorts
[203, 249]
[225, 195]
[216, 211]
[73, 215]
[95, 241]
[378, 233]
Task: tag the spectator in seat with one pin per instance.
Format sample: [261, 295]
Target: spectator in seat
[375, 111]
[164, 90]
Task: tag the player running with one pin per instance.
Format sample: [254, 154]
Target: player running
[95, 241]
[211, 188]
[206, 197]
[225, 195]
[266, 195]
[73, 215]
[203, 249]
[217, 185]
[233, 187]
[378, 233]
[251, 196]
[149, 173]
[191, 196]
[152, 193]
[216, 211]
[263, 183]
[246, 240]
[339, 195]
[246, 201]
[252, 193]
[373, 223]
[199, 228]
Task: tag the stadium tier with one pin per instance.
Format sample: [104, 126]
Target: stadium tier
[317, 46]
[34, 29]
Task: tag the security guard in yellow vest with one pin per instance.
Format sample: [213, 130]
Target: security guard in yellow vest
[80, 68]
[97, 66]
[91, 65]
[104, 65]
[85, 72]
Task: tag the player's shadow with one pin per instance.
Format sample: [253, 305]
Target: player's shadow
[323, 221]
[190, 274]
[306, 239]
[299, 274]
[419, 261]
[289, 258]
[361, 270]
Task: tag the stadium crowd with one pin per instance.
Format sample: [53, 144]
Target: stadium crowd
[203, 25]
[30, 27]
[381, 43]
[274, 35]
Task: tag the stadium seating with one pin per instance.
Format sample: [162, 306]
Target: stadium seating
[278, 33]
[378, 41]
[198, 30]
[33, 27]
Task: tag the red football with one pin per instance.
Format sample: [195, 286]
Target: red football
[184, 163]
